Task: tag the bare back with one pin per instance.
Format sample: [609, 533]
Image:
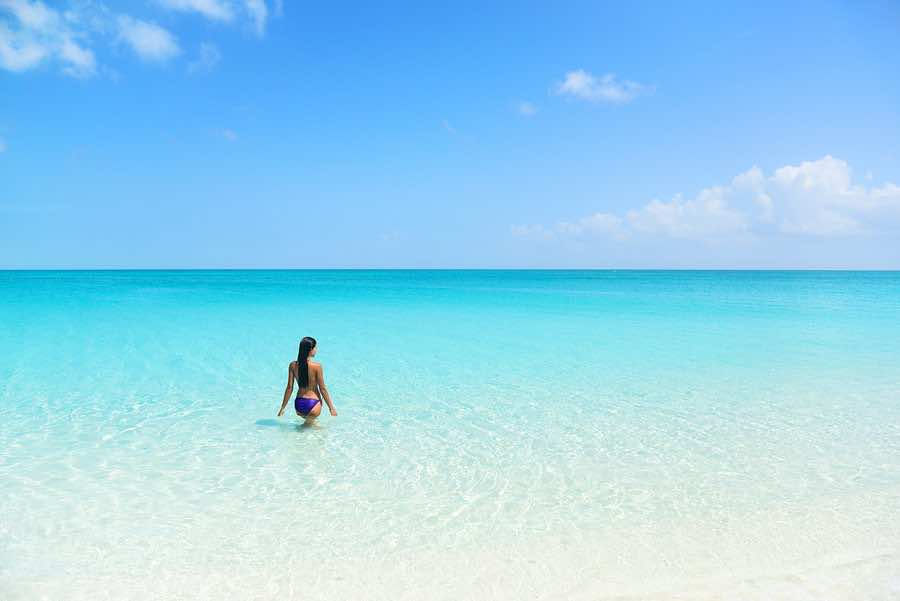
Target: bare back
[315, 371]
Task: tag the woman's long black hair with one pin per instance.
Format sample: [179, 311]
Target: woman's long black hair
[307, 344]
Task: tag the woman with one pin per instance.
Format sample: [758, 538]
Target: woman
[310, 382]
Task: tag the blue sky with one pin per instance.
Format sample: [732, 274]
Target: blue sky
[247, 133]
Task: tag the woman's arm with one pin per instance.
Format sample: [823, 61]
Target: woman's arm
[322, 391]
[287, 391]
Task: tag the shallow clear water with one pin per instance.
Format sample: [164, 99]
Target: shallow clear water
[501, 435]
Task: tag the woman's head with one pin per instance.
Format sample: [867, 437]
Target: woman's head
[308, 345]
[307, 350]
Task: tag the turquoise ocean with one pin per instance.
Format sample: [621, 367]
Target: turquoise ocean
[560, 435]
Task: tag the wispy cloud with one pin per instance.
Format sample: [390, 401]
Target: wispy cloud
[447, 127]
[226, 11]
[607, 88]
[216, 10]
[17, 52]
[812, 199]
[229, 134]
[148, 40]
[207, 59]
[526, 109]
[259, 13]
[35, 33]
[2, 145]
[66, 33]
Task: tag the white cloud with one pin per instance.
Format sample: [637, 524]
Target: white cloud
[206, 61]
[813, 199]
[606, 88]
[704, 217]
[822, 199]
[18, 52]
[447, 127]
[229, 134]
[148, 40]
[41, 35]
[216, 10]
[80, 62]
[32, 15]
[2, 145]
[257, 11]
[599, 223]
[66, 32]
[526, 109]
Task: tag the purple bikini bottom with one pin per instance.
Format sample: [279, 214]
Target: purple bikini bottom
[304, 405]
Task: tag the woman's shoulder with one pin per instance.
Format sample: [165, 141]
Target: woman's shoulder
[315, 364]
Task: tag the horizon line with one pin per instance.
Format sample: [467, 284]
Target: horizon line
[114, 269]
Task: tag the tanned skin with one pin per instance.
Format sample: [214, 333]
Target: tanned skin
[316, 387]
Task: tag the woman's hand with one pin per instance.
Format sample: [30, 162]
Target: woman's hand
[333, 412]
[281, 412]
